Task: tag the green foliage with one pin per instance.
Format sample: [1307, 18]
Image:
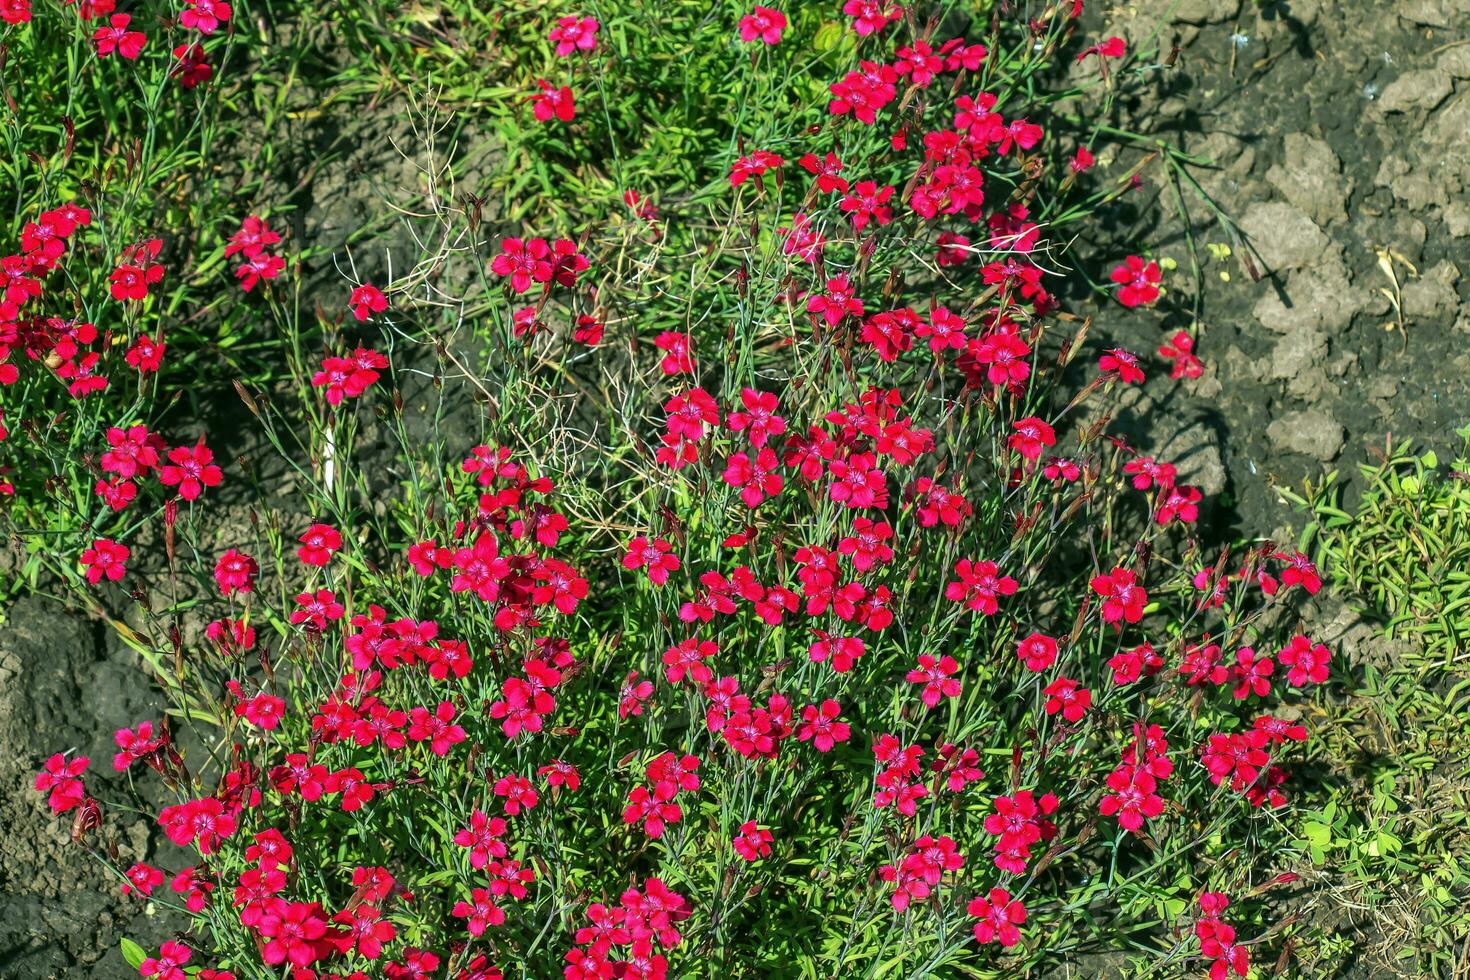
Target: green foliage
[1395, 823]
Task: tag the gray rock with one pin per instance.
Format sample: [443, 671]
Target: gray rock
[1317, 298]
[1450, 126]
[1298, 359]
[1308, 432]
[1412, 184]
[1455, 61]
[1416, 90]
[1434, 13]
[1283, 235]
[1433, 294]
[1457, 219]
[1206, 11]
[1310, 178]
[1195, 452]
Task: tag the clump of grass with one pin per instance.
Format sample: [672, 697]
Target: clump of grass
[1393, 821]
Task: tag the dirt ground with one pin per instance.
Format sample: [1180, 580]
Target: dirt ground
[1342, 135]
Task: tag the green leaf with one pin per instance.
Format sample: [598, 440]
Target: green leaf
[133, 953]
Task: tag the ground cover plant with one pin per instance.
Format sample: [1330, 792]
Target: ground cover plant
[729, 568]
[1388, 828]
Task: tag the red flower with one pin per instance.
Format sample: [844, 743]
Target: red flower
[936, 674]
[1181, 504]
[257, 267]
[518, 792]
[758, 417]
[1006, 357]
[1131, 797]
[191, 469]
[131, 279]
[1309, 662]
[999, 916]
[819, 725]
[145, 355]
[117, 37]
[553, 103]
[1139, 281]
[436, 728]
[560, 773]
[938, 504]
[687, 659]
[751, 842]
[1032, 435]
[292, 931]
[189, 66]
[1146, 472]
[234, 572]
[573, 34]
[1123, 598]
[349, 377]
[871, 16]
[657, 556]
[318, 543]
[1129, 665]
[483, 839]
[843, 651]
[756, 478]
[979, 586]
[105, 559]
[632, 695]
[523, 261]
[1251, 674]
[1180, 350]
[827, 171]
[754, 165]
[15, 12]
[480, 912]
[1037, 652]
[1122, 363]
[204, 16]
[802, 240]
[762, 24]
[1300, 571]
[367, 299]
[365, 929]
[1113, 47]
[168, 964]
[317, 609]
[203, 823]
[61, 778]
[1068, 697]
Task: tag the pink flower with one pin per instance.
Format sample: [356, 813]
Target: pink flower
[1139, 282]
[105, 559]
[204, 16]
[553, 102]
[1123, 598]
[999, 916]
[1180, 350]
[168, 964]
[751, 842]
[762, 24]
[367, 299]
[318, 543]
[117, 37]
[573, 34]
[1309, 662]
[61, 779]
